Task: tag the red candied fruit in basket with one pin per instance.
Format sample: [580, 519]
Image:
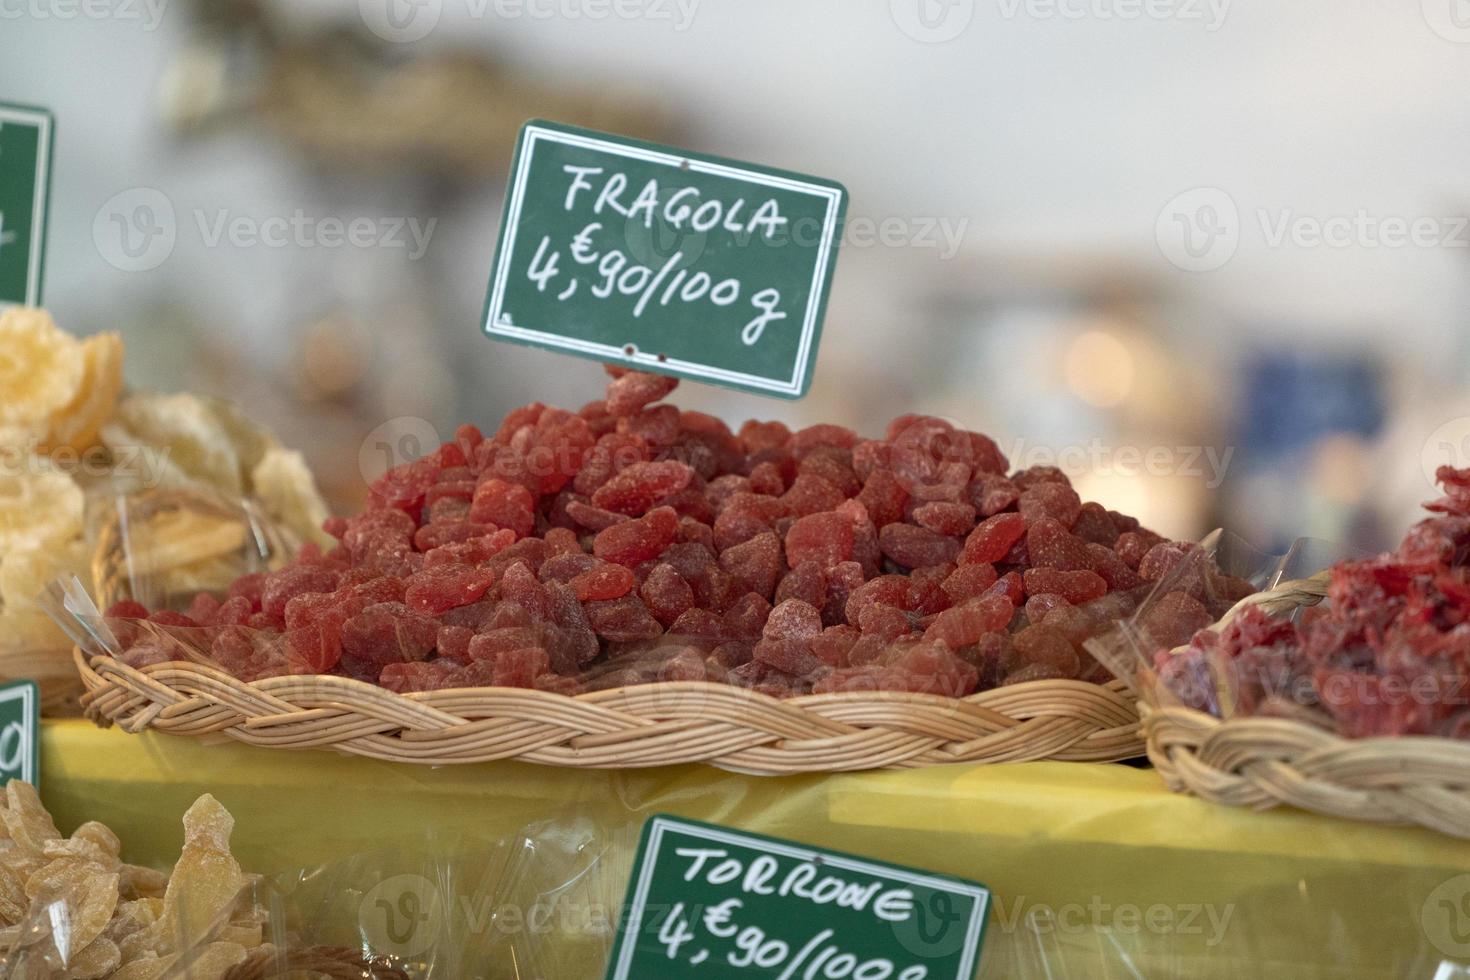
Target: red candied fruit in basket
[630, 542]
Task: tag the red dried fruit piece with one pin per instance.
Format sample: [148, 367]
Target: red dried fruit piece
[811, 494]
[476, 551]
[1055, 500]
[993, 539]
[565, 567]
[293, 580]
[807, 439]
[658, 426]
[403, 487]
[126, 609]
[945, 517]
[622, 620]
[735, 526]
[1131, 546]
[436, 535]
[746, 617]
[755, 564]
[167, 617]
[630, 393]
[1077, 587]
[1050, 545]
[453, 642]
[562, 541]
[638, 487]
[1115, 571]
[888, 622]
[613, 452]
[1173, 618]
[805, 582]
[486, 647]
[966, 623]
[571, 642]
[520, 668]
[831, 646]
[606, 581]
[1041, 646]
[1040, 604]
[463, 490]
[891, 590]
[916, 547]
[759, 436]
[506, 505]
[1184, 561]
[407, 678]
[636, 541]
[931, 459]
[1032, 476]
[666, 594]
[991, 493]
[1011, 586]
[765, 478]
[926, 595]
[594, 518]
[385, 633]
[969, 582]
[842, 580]
[699, 625]
[519, 586]
[930, 668]
[1095, 526]
[823, 538]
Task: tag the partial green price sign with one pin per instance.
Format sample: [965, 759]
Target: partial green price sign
[19, 735]
[664, 260]
[709, 902]
[26, 137]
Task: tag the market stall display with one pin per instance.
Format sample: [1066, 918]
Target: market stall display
[807, 600]
[73, 443]
[1343, 693]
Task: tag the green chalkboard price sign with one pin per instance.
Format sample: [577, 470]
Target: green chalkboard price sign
[26, 136]
[664, 260]
[709, 902]
[19, 735]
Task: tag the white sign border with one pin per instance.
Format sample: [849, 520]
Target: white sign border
[494, 311]
[639, 899]
[42, 122]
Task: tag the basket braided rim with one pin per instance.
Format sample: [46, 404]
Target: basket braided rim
[647, 725]
[1269, 762]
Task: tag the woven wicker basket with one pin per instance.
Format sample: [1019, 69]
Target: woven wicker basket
[646, 725]
[336, 962]
[1268, 762]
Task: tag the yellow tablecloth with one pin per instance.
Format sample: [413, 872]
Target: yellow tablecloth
[1097, 870]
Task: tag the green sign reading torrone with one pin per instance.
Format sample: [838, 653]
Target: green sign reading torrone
[665, 260]
[709, 902]
[25, 174]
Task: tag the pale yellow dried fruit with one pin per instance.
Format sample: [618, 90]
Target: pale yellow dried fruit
[182, 538]
[76, 425]
[287, 491]
[24, 574]
[39, 507]
[99, 959]
[182, 425]
[27, 823]
[146, 967]
[206, 882]
[41, 369]
[146, 885]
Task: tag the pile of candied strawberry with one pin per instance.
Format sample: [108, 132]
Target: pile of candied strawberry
[632, 542]
[1388, 653]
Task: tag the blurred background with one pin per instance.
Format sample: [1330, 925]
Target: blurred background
[1211, 257]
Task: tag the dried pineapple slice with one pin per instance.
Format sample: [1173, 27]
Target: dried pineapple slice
[76, 424]
[39, 506]
[41, 368]
[206, 883]
[195, 440]
[24, 574]
[286, 489]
